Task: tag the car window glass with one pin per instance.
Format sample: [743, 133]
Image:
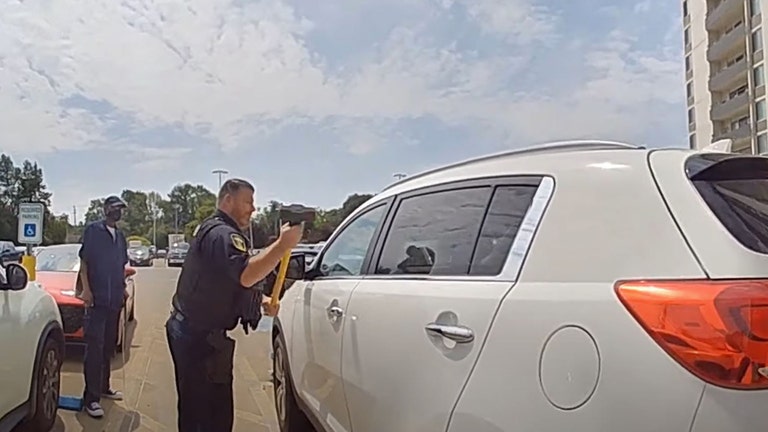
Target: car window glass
[434, 234]
[502, 222]
[736, 191]
[345, 255]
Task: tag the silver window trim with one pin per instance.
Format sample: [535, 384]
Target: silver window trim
[518, 252]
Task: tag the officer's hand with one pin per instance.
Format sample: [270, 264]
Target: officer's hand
[269, 310]
[290, 236]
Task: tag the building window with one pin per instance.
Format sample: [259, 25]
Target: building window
[757, 40]
[740, 123]
[692, 141]
[758, 75]
[685, 8]
[687, 36]
[689, 90]
[687, 63]
[691, 116]
[762, 143]
[754, 5]
[738, 92]
[760, 110]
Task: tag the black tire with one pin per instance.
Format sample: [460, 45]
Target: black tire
[289, 416]
[48, 382]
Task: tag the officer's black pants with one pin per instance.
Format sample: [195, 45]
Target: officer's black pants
[205, 403]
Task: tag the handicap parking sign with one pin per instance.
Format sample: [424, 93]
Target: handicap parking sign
[31, 218]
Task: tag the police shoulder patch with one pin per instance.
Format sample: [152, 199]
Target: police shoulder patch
[238, 242]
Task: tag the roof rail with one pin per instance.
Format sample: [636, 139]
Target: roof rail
[551, 147]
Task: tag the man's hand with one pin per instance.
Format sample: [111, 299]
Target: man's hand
[87, 297]
[290, 236]
[269, 310]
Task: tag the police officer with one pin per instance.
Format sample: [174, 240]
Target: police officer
[208, 303]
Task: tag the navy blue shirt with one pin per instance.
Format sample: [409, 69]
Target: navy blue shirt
[105, 256]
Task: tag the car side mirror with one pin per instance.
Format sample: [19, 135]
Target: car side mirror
[130, 271]
[16, 277]
[297, 267]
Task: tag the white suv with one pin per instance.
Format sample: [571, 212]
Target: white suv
[32, 348]
[580, 286]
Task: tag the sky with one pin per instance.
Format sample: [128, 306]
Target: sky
[315, 100]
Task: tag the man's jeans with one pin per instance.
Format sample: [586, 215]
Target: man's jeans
[100, 326]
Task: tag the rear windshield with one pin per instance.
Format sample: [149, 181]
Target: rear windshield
[736, 190]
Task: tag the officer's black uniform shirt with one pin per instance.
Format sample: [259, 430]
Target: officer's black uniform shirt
[209, 292]
[226, 248]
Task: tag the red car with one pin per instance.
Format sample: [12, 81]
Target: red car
[57, 268]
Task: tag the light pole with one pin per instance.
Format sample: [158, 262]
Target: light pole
[221, 173]
[399, 176]
[153, 208]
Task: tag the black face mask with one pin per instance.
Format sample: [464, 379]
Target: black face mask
[114, 215]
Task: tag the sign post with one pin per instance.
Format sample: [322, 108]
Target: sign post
[31, 216]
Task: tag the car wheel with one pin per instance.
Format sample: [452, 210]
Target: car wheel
[48, 376]
[289, 415]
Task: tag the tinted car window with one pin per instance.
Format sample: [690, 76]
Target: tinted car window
[346, 254]
[435, 233]
[736, 191]
[505, 214]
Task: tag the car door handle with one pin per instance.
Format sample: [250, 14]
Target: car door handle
[334, 313]
[458, 334]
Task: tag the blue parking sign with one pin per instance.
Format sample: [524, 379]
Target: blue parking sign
[30, 230]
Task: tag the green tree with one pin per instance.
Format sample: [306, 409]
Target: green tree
[352, 203]
[137, 219]
[184, 202]
[26, 183]
[56, 230]
[95, 210]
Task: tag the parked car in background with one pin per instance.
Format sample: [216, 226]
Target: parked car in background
[309, 252]
[9, 253]
[32, 345]
[177, 254]
[577, 286]
[57, 269]
[162, 253]
[139, 256]
[153, 251]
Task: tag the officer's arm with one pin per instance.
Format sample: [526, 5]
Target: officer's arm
[259, 266]
[238, 265]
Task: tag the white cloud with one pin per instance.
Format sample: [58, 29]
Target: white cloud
[231, 71]
[519, 21]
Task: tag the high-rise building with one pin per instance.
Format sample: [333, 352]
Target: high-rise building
[725, 74]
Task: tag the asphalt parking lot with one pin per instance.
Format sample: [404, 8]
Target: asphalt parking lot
[150, 396]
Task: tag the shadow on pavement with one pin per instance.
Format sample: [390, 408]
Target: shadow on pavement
[73, 355]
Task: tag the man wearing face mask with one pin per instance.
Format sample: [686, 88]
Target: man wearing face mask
[218, 277]
[103, 257]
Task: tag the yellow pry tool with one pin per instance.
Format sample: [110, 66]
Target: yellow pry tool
[280, 279]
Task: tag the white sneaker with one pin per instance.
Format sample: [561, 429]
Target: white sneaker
[94, 410]
[113, 395]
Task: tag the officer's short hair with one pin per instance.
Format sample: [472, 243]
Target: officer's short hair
[232, 186]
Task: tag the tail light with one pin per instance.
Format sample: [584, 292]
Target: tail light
[718, 330]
